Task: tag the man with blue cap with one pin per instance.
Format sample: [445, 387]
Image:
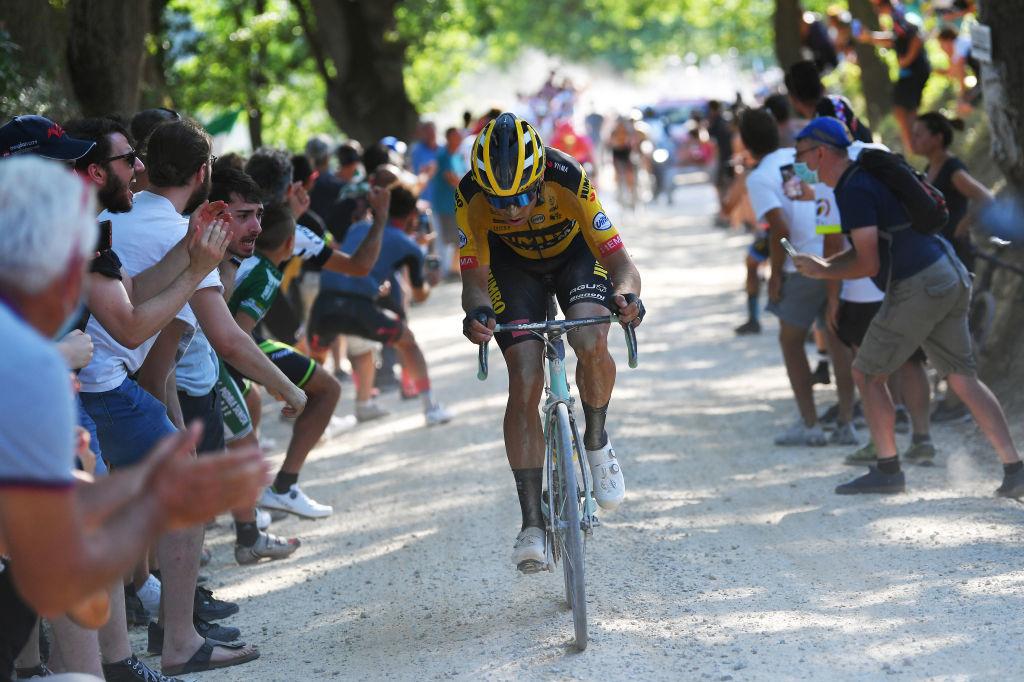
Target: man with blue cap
[927, 293]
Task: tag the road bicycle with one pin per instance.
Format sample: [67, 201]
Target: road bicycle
[983, 302]
[569, 497]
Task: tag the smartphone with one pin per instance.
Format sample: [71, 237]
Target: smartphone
[856, 28]
[433, 263]
[106, 237]
[425, 226]
[790, 249]
[791, 185]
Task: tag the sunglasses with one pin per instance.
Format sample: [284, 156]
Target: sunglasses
[521, 199]
[128, 157]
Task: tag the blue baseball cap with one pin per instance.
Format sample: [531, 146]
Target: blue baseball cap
[42, 137]
[827, 130]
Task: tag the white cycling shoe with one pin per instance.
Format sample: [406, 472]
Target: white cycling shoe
[528, 553]
[609, 485]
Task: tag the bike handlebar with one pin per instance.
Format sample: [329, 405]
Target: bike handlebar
[559, 326]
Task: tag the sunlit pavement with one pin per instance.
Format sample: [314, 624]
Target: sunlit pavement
[730, 559]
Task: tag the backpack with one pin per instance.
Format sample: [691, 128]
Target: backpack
[925, 204]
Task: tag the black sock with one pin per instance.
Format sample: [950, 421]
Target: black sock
[752, 307]
[284, 482]
[1013, 468]
[921, 438]
[528, 487]
[889, 465]
[246, 533]
[595, 437]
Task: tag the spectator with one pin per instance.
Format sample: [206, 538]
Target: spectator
[817, 43]
[66, 548]
[721, 131]
[423, 157]
[128, 417]
[450, 169]
[349, 305]
[325, 189]
[927, 295]
[346, 207]
[782, 112]
[957, 47]
[795, 299]
[807, 93]
[912, 59]
[142, 125]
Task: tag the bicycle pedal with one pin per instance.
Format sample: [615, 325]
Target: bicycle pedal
[530, 567]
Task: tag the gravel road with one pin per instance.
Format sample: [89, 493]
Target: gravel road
[731, 558]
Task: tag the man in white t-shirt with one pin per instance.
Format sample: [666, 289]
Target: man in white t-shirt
[796, 300]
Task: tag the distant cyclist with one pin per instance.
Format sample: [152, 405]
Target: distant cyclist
[529, 219]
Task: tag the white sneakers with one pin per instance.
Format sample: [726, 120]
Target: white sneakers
[528, 552]
[609, 485]
[337, 426]
[437, 414]
[294, 502]
[800, 434]
[369, 411]
[149, 595]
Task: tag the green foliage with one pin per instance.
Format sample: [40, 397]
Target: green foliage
[247, 55]
[24, 90]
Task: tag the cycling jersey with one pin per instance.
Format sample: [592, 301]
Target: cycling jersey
[568, 206]
[256, 285]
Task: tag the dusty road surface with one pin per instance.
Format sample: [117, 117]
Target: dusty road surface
[731, 558]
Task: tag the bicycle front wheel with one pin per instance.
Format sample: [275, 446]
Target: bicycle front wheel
[567, 523]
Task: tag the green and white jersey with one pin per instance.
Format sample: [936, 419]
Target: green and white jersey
[256, 285]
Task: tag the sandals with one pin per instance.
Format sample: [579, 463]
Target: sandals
[201, 660]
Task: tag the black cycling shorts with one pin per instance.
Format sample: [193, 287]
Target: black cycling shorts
[205, 408]
[335, 313]
[518, 286]
[293, 364]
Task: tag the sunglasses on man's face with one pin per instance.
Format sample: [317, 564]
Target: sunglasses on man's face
[128, 157]
[521, 199]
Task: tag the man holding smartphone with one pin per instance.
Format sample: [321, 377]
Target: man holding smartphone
[778, 198]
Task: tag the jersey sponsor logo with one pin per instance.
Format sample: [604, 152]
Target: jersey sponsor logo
[560, 166]
[611, 246]
[537, 219]
[590, 286]
[468, 263]
[593, 196]
[463, 239]
[494, 292]
[585, 188]
[459, 203]
[601, 222]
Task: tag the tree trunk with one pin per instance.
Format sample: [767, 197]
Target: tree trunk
[1003, 81]
[361, 62]
[154, 91]
[787, 32]
[105, 52]
[874, 72]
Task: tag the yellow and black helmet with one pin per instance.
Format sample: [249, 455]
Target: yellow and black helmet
[508, 157]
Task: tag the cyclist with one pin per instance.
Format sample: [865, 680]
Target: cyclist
[528, 219]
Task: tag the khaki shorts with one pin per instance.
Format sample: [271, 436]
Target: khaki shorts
[928, 310]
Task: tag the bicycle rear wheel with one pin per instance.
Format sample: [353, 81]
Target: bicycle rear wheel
[567, 523]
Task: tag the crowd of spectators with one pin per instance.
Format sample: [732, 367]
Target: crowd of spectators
[150, 289]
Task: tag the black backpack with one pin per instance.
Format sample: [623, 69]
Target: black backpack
[925, 204]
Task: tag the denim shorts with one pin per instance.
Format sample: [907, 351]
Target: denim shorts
[86, 422]
[129, 422]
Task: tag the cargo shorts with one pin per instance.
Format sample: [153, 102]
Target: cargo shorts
[929, 310]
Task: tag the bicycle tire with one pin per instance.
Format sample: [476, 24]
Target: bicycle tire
[982, 313]
[568, 513]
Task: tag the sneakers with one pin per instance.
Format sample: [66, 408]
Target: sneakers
[1013, 485]
[902, 420]
[29, 673]
[922, 454]
[267, 546]
[865, 456]
[874, 482]
[263, 520]
[135, 612]
[528, 552]
[950, 415]
[132, 669]
[221, 633]
[609, 484]
[209, 608]
[748, 327]
[149, 595]
[844, 434]
[821, 375]
[338, 426]
[294, 502]
[369, 411]
[437, 414]
[829, 417]
[801, 434]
